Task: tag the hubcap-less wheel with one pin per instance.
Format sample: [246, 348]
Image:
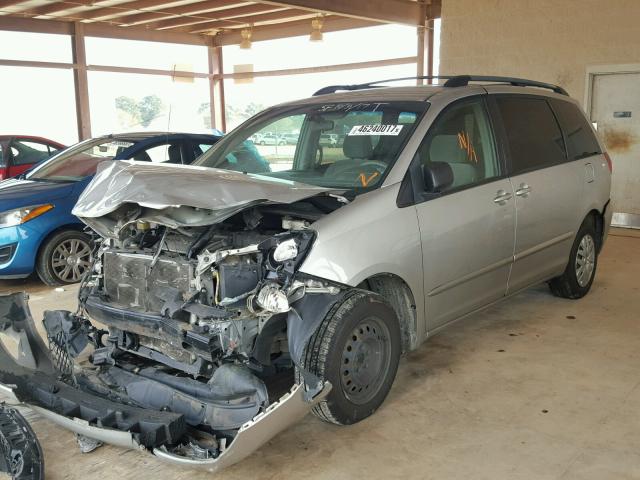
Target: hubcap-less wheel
[365, 359]
[585, 260]
[71, 259]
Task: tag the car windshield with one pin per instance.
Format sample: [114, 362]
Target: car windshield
[336, 145]
[80, 161]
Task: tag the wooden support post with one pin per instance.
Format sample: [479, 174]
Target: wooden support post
[421, 53]
[425, 41]
[80, 82]
[429, 47]
[216, 89]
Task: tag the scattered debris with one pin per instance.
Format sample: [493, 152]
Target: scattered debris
[86, 444]
[20, 452]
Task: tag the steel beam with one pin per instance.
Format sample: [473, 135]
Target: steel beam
[121, 9]
[54, 7]
[291, 29]
[381, 11]
[283, 16]
[204, 12]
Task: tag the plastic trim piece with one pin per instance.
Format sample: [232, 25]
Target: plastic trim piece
[252, 435]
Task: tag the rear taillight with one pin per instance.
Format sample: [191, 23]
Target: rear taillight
[3, 173]
[609, 164]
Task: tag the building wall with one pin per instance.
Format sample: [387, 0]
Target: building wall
[552, 41]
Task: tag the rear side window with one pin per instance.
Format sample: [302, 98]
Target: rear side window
[533, 135]
[2, 162]
[581, 142]
[27, 152]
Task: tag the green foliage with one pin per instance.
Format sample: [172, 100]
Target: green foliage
[237, 115]
[141, 112]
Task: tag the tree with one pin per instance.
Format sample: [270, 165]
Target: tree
[204, 110]
[149, 108]
[141, 112]
[235, 115]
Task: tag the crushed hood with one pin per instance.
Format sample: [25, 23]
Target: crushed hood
[163, 190]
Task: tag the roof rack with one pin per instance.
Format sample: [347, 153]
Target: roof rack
[451, 81]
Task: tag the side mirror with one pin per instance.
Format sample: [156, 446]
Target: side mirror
[438, 176]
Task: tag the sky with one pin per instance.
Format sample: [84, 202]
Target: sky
[40, 101]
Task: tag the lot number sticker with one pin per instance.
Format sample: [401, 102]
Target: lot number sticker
[393, 130]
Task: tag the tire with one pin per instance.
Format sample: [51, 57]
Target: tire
[64, 258]
[357, 348]
[578, 277]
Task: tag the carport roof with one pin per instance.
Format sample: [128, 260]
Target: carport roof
[198, 21]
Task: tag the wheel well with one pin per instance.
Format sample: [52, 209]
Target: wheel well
[599, 224]
[69, 226]
[396, 291]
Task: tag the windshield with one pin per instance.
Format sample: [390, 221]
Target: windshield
[80, 161]
[334, 145]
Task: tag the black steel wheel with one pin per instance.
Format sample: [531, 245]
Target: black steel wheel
[365, 359]
[357, 349]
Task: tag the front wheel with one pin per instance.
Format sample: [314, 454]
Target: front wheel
[64, 258]
[356, 348]
[578, 277]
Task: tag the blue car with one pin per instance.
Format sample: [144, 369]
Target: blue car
[38, 232]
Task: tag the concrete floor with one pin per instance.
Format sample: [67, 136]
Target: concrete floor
[534, 388]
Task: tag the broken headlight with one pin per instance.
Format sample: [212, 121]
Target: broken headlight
[272, 299]
[287, 250]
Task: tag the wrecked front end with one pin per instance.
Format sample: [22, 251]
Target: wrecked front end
[188, 335]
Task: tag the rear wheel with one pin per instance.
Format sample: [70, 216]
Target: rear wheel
[357, 349]
[64, 258]
[578, 277]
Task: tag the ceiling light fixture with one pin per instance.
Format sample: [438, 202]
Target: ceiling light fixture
[246, 35]
[316, 29]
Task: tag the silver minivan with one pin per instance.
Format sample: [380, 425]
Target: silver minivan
[228, 298]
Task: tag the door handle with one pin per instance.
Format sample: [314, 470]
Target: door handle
[502, 197]
[523, 190]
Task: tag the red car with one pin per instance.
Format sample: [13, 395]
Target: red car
[18, 153]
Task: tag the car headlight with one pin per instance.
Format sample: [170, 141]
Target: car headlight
[287, 250]
[22, 215]
[272, 299]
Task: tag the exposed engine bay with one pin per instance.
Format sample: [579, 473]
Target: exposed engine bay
[186, 332]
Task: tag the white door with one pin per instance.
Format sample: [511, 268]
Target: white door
[615, 108]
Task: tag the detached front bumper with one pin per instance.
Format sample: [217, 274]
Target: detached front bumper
[30, 378]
